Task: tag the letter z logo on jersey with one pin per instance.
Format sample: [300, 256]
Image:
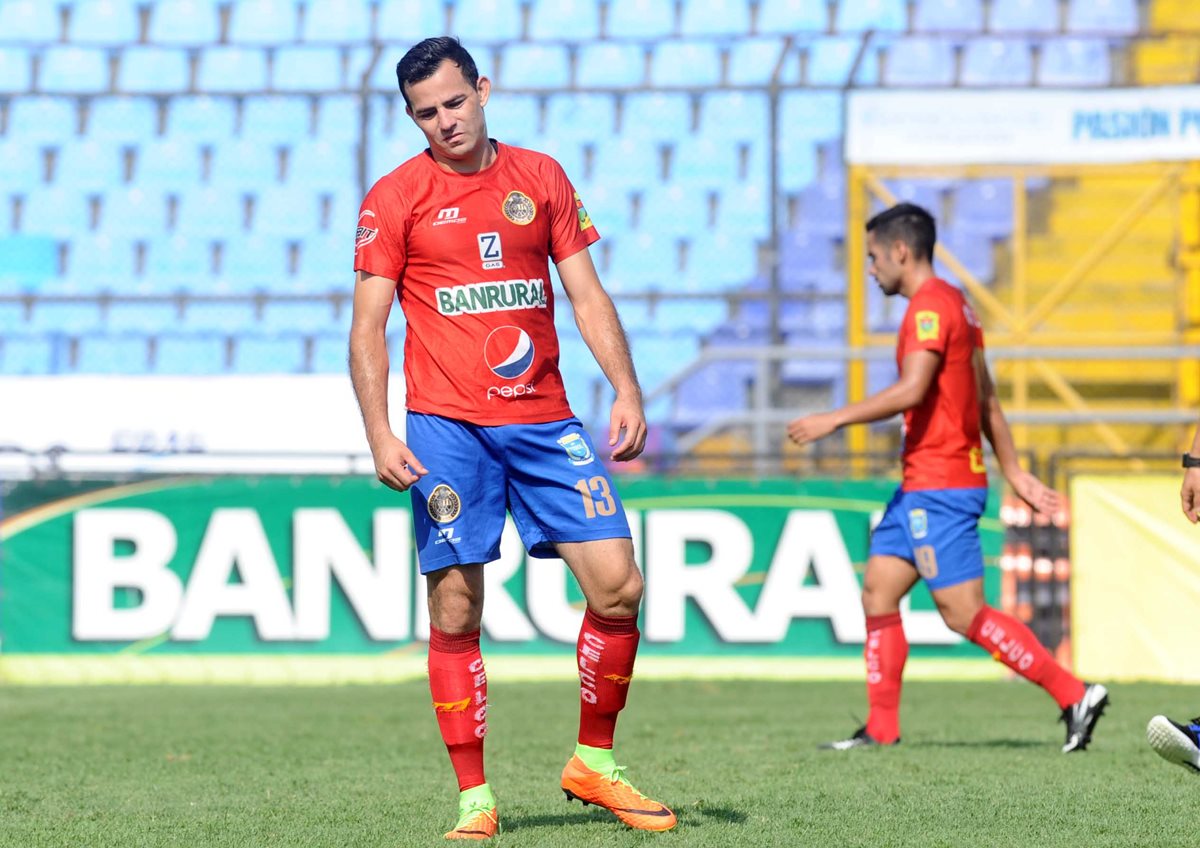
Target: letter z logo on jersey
[927, 326]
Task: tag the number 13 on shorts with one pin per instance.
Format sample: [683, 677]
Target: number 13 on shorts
[597, 497]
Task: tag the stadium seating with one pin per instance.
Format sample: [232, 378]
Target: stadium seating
[132, 120]
[1075, 61]
[790, 16]
[263, 21]
[958, 16]
[82, 70]
[153, 70]
[997, 61]
[485, 21]
[715, 17]
[611, 65]
[564, 20]
[1024, 16]
[184, 22]
[640, 19]
[32, 21]
[919, 61]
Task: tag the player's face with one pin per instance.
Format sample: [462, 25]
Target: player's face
[883, 265]
[450, 112]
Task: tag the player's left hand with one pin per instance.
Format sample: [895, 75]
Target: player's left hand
[627, 429]
[1035, 493]
[811, 427]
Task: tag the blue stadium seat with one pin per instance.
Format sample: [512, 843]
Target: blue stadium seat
[734, 115]
[21, 171]
[281, 317]
[103, 22]
[191, 354]
[244, 164]
[823, 208]
[326, 263]
[714, 389]
[1023, 16]
[89, 166]
[564, 20]
[919, 61]
[153, 70]
[984, 206]
[752, 61]
[226, 317]
[263, 22]
[658, 357]
[135, 212]
[972, 250]
[832, 165]
[797, 164]
[805, 260]
[336, 21]
[288, 210]
[383, 157]
[516, 118]
[81, 70]
[811, 115]
[656, 116]
[343, 212]
[1109, 17]
[715, 17]
[31, 355]
[383, 76]
[641, 262]
[705, 162]
[529, 65]
[685, 63]
[965, 16]
[1075, 61]
[283, 119]
[321, 166]
[27, 262]
[266, 355]
[681, 209]
[125, 317]
[719, 262]
[255, 262]
[878, 15]
[29, 21]
[608, 65]
[745, 211]
[16, 70]
[201, 119]
[213, 212]
[808, 371]
[179, 262]
[330, 354]
[338, 118]
[924, 193]
[233, 69]
[58, 212]
[695, 317]
[610, 208]
[94, 264]
[46, 119]
[127, 119]
[486, 21]
[997, 61]
[184, 22]
[106, 354]
[408, 21]
[789, 16]
[307, 69]
[579, 116]
[170, 165]
[640, 19]
[12, 322]
[830, 61]
[624, 162]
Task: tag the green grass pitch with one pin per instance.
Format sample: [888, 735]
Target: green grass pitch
[364, 766]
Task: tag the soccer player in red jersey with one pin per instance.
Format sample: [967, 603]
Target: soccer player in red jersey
[930, 528]
[463, 234]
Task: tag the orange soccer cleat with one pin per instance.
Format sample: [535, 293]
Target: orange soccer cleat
[476, 822]
[615, 794]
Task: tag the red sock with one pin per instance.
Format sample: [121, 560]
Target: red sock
[458, 684]
[606, 650]
[886, 651]
[1014, 644]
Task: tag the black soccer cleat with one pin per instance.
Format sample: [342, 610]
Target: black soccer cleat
[1175, 742]
[1081, 717]
[860, 739]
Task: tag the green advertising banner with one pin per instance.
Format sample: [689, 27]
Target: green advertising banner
[320, 565]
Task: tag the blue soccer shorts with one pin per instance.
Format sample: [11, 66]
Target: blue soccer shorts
[937, 530]
[547, 476]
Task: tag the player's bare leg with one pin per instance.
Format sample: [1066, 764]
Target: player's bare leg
[887, 581]
[606, 650]
[966, 612]
[458, 683]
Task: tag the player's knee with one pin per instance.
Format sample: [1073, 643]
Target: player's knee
[875, 602]
[957, 620]
[457, 612]
[624, 597]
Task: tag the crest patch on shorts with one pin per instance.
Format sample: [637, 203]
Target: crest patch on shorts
[577, 449]
[443, 504]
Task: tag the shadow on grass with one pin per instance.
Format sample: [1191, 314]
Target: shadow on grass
[984, 743]
[690, 817]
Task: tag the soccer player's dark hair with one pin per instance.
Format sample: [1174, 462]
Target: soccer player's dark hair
[909, 223]
[424, 58]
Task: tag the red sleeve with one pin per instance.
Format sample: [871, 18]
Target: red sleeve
[927, 326]
[379, 243]
[571, 228]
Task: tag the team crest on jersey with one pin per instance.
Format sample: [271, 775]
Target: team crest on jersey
[443, 504]
[518, 207]
[927, 326]
[508, 352]
[366, 231]
[585, 220]
[918, 523]
[578, 451]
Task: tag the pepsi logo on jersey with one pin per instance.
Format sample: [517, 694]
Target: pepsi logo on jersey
[509, 352]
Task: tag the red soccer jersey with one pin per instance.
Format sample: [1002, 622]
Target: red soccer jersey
[942, 447]
[470, 254]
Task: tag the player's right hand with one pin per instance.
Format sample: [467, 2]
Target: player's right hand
[395, 465]
[1190, 494]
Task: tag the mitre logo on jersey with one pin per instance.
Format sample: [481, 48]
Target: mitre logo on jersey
[366, 230]
[449, 215]
[500, 296]
[508, 351]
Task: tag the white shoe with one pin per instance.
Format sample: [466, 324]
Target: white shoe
[1174, 742]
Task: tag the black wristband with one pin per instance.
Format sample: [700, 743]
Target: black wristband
[1190, 461]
